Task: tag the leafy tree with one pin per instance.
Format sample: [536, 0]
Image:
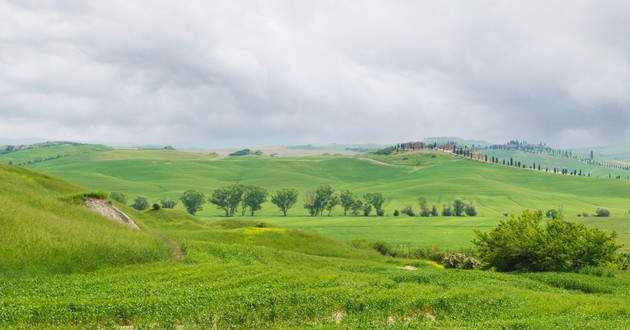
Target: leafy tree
[447, 211]
[319, 200]
[458, 207]
[227, 198]
[367, 209]
[376, 200]
[434, 211]
[470, 208]
[347, 200]
[119, 197]
[356, 207]
[156, 207]
[193, 201]
[140, 203]
[523, 244]
[331, 203]
[168, 203]
[602, 212]
[253, 197]
[285, 199]
[424, 208]
[408, 210]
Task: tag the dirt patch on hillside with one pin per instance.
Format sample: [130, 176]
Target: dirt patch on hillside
[109, 211]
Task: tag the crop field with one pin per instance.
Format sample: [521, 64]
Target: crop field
[266, 271]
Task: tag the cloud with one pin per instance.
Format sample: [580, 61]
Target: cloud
[234, 73]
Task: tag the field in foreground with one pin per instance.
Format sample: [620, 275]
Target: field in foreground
[244, 274]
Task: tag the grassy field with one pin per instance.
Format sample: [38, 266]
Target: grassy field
[243, 274]
[560, 162]
[437, 176]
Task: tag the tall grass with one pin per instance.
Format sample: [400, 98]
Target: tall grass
[41, 233]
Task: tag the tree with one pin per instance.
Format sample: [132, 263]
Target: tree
[285, 199]
[140, 203]
[193, 201]
[447, 211]
[356, 207]
[119, 197]
[424, 208]
[458, 207]
[523, 244]
[331, 203]
[434, 211]
[408, 210]
[227, 198]
[367, 209]
[470, 208]
[253, 197]
[346, 199]
[319, 200]
[376, 200]
[168, 203]
[602, 212]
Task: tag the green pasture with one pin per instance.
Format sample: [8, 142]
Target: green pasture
[560, 162]
[61, 266]
[439, 177]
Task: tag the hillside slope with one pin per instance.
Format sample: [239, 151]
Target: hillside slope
[42, 234]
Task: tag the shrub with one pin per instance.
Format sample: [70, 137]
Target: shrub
[434, 211]
[458, 207]
[119, 197]
[470, 208]
[156, 207]
[460, 261]
[140, 203]
[447, 211]
[522, 244]
[168, 203]
[396, 213]
[383, 248]
[623, 261]
[553, 214]
[408, 210]
[602, 212]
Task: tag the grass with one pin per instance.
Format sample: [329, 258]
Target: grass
[42, 233]
[250, 273]
[439, 177]
[559, 162]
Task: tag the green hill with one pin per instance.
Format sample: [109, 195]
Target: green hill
[439, 177]
[43, 234]
[238, 273]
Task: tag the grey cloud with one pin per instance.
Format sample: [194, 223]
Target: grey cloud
[247, 72]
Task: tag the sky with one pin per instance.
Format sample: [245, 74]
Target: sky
[253, 73]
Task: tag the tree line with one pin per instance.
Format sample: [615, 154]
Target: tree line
[248, 199]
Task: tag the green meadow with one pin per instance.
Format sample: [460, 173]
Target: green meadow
[439, 177]
[64, 267]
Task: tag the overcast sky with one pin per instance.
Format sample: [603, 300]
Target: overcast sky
[250, 73]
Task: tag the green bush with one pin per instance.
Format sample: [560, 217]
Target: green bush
[383, 248]
[140, 203]
[602, 212]
[460, 261]
[119, 197]
[523, 244]
[168, 203]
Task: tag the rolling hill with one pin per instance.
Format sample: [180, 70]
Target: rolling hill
[237, 273]
[439, 177]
